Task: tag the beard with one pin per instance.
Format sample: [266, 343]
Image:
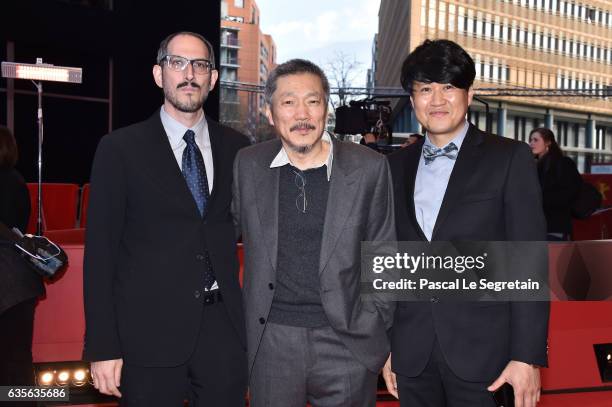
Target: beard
[191, 105]
[300, 148]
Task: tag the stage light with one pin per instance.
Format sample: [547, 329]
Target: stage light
[45, 378]
[63, 377]
[79, 377]
[42, 72]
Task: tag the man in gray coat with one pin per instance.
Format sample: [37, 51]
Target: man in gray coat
[304, 204]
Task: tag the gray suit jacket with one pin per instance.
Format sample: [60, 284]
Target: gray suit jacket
[359, 208]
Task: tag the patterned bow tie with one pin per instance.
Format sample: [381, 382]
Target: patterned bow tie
[430, 153]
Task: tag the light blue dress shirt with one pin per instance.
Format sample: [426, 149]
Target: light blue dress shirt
[430, 185]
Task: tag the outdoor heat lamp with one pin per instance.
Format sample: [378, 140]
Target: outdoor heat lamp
[42, 72]
[38, 73]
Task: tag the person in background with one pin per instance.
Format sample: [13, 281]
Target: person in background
[413, 138]
[369, 139]
[560, 183]
[19, 285]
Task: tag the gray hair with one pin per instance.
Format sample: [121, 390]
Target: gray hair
[294, 67]
[163, 46]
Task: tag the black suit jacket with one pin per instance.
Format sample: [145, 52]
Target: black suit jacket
[145, 245]
[18, 282]
[561, 183]
[493, 195]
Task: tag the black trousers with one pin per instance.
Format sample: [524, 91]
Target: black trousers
[16, 327]
[438, 386]
[215, 374]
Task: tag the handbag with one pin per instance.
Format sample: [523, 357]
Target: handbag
[41, 254]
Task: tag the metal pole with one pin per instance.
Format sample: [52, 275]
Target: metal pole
[39, 226]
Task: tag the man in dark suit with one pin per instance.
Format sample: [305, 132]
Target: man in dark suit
[164, 317]
[462, 184]
[304, 204]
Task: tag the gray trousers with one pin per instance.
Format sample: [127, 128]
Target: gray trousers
[297, 365]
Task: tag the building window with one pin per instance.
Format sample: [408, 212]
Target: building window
[239, 3]
[433, 6]
[442, 16]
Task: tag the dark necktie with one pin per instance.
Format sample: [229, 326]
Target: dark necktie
[194, 172]
[430, 153]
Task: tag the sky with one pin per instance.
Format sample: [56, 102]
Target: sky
[317, 29]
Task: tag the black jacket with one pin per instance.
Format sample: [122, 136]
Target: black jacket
[17, 281]
[492, 195]
[560, 182]
[145, 245]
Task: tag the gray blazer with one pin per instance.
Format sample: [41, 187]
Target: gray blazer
[360, 208]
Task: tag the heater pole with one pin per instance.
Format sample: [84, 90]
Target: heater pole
[39, 223]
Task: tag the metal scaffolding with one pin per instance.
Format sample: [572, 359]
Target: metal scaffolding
[396, 92]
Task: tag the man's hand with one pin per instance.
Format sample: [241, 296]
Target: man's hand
[107, 376]
[525, 379]
[390, 378]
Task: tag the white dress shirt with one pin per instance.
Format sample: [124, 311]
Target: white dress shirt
[430, 185]
[282, 158]
[175, 131]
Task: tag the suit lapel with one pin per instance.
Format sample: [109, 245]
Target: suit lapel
[163, 169]
[344, 184]
[267, 200]
[467, 162]
[411, 167]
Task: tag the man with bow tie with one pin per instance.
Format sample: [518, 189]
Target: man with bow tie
[462, 184]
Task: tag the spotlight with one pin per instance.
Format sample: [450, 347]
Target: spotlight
[46, 378]
[63, 377]
[79, 377]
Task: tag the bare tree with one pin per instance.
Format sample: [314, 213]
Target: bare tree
[342, 71]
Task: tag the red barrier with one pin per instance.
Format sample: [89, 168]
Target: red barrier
[84, 204]
[574, 326]
[59, 206]
[603, 183]
[596, 227]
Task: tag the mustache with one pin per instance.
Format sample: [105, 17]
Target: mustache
[187, 83]
[302, 126]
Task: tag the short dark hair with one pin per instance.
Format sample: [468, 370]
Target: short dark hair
[440, 61]
[548, 136]
[294, 67]
[163, 46]
[8, 149]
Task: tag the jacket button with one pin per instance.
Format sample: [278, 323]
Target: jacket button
[196, 293]
[199, 257]
[271, 286]
[262, 320]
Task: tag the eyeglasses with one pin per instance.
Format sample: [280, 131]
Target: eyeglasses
[178, 63]
[300, 200]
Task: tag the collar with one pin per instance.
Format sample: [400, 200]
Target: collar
[282, 158]
[176, 130]
[458, 140]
